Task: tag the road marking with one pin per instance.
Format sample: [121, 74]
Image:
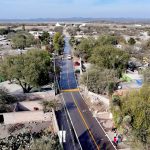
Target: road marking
[71, 90]
[85, 122]
[98, 148]
[71, 122]
[66, 111]
[83, 117]
[99, 124]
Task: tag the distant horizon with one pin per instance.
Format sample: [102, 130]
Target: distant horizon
[76, 19]
[20, 9]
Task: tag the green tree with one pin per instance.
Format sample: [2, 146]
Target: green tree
[22, 39]
[45, 38]
[19, 41]
[58, 42]
[87, 45]
[134, 109]
[131, 41]
[29, 70]
[107, 40]
[102, 79]
[5, 31]
[109, 57]
[85, 48]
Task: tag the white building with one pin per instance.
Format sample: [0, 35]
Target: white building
[51, 33]
[82, 25]
[58, 25]
[138, 25]
[36, 34]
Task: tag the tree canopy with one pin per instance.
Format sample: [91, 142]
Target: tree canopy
[103, 54]
[132, 111]
[109, 57]
[85, 48]
[131, 41]
[22, 39]
[5, 31]
[58, 42]
[29, 70]
[104, 80]
[107, 40]
[45, 38]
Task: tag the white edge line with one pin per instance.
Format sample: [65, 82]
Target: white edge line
[99, 123]
[70, 117]
[105, 133]
[68, 111]
[71, 122]
[68, 123]
[92, 113]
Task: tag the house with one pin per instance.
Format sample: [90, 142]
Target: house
[36, 34]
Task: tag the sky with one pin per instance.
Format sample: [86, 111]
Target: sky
[30, 9]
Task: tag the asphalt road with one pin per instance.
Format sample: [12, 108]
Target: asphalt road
[65, 125]
[90, 134]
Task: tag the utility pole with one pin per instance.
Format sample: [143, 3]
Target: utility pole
[57, 89]
[87, 79]
[54, 68]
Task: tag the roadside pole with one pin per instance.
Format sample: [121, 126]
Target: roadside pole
[81, 66]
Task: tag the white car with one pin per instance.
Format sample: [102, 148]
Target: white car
[69, 57]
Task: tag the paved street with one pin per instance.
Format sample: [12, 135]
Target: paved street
[91, 136]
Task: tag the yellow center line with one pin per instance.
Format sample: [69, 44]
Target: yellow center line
[71, 90]
[85, 122]
[82, 117]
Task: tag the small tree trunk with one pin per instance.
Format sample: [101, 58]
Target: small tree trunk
[26, 88]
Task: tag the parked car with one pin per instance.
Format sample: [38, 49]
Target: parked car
[69, 57]
[76, 63]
